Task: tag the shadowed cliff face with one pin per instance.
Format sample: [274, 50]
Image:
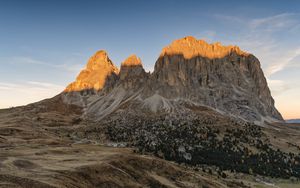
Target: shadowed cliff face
[233, 83]
[132, 73]
[188, 70]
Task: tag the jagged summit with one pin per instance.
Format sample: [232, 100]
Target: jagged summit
[191, 47]
[98, 59]
[98, 69]
[132, 60]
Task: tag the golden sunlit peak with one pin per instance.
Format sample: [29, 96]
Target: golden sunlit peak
[99, 60]
[191, 47]
[190, 38]
[101, 54]
[132, 60]
[98, 69]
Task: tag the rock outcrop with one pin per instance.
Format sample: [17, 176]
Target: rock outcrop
[132, 73]
[188, 74]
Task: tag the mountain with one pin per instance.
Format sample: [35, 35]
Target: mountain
[188, 74]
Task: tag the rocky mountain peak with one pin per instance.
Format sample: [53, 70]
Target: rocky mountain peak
[100, 60]
[99, 71]
[190, 47]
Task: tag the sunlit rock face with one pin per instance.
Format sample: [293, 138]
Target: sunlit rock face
[99, 72]
[190, 47]
[188, 74]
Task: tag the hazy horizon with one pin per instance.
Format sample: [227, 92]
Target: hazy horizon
[44, 45]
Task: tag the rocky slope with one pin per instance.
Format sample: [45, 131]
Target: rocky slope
[48, 144]
[188, 72]
[39, 150]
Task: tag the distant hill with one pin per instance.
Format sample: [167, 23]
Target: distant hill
[293, 121]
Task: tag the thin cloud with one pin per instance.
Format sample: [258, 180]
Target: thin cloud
[229, 18]
[72, 65]
[28, 85]
[31, 91]
[260, 37]
[27, 60]
[74, 68]
[282, 62]
[43, 84]
[207, 35]
[275, 22]
[279, 86]
[7, 86]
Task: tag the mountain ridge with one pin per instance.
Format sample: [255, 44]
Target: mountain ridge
[187, 72]
[190, 47]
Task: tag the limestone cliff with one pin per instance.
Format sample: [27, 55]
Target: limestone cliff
[222, 77]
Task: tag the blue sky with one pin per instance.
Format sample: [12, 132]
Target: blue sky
[44, 44]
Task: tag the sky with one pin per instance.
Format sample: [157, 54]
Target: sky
[44, 44]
